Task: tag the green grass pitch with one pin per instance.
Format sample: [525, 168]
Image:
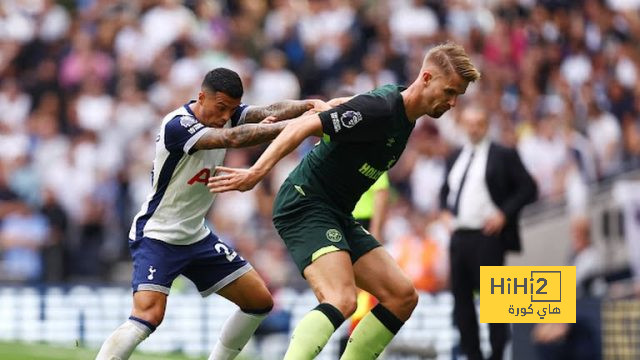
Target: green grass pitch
[36, 351]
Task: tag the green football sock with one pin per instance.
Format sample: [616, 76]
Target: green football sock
[372, 335]
[313, 331]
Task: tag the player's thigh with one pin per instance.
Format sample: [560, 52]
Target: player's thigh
[249, 292]
[359, 239]
[331, 279]
[377, 273]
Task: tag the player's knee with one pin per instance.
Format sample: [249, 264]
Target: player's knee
[152, 315]
[402, 301]
[263, 303]
[410, 298]
[152, 311]
[346, 303]
[407, 298]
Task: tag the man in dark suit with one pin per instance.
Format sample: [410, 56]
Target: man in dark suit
[484, 190]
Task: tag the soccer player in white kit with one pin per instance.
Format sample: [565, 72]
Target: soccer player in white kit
[168, 236]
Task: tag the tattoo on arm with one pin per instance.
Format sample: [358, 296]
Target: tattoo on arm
[240, 136]
[286, 109]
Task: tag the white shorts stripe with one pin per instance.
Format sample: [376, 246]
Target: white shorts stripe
[227, 280]
[153, 287]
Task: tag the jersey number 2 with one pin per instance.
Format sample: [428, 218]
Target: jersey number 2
[220, 248]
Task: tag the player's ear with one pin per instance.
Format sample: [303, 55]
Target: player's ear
[201, 96]
[426, 77]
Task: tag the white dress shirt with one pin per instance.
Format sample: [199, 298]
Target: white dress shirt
[475, 206]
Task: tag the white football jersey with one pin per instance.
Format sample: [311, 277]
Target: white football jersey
[174, 211]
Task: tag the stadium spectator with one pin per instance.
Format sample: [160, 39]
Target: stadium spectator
[485, 188]
[580, 339]
[23, 234]
[605, 135]
[273, 81]
[545, 156]
[421, 255]
[54, 254]
[15, 104]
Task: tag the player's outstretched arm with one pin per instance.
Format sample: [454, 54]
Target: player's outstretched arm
[240, 136]
[281, 110]
[245, 179]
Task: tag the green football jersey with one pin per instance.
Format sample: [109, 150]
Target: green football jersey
[363, 138]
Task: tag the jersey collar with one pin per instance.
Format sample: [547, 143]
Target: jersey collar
[186, 106]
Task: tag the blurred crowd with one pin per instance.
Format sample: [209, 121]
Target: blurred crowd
[85, 83]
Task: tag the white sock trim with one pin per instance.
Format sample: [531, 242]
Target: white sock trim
[140, 326]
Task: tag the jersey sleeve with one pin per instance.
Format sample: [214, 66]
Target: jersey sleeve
[181, 133]
[366, 117]
[238, 116]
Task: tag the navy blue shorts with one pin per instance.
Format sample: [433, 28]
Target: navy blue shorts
[209, 263]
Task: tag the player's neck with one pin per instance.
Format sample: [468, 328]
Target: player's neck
[410, 98]
[196, 109]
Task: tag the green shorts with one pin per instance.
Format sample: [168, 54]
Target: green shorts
[310, 228]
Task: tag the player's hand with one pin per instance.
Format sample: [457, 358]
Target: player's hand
[495, 223]
[229, 179]
[446, 218]
[318, 105]
[338, 101]
[269, 120]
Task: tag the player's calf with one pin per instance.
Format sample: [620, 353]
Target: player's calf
[331, 279]
[146, 315]
[236, 332]
[255, 302]
[124, 339]
[378, 274]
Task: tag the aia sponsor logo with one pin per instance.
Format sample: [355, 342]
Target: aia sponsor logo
[201, 177]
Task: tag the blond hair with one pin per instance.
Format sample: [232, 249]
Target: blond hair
[451, 57]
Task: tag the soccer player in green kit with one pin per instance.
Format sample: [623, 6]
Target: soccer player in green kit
[361, 139]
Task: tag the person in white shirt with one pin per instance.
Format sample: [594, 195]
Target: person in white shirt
[484, 189]
[168, 236]
[605, 134]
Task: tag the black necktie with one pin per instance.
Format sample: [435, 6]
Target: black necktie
[456, 204]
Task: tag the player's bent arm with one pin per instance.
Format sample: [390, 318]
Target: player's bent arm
[286, 109]
[292, 135]
[239, 136]
[245, 179]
